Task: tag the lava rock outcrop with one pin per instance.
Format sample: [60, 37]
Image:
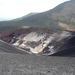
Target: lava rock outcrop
[40, 41]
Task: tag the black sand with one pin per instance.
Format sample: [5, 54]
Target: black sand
[14, 63]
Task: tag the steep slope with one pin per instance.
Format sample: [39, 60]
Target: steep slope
[61, 17]
[41, 41]
[5, 47]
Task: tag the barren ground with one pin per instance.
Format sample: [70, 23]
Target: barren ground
[17, 63]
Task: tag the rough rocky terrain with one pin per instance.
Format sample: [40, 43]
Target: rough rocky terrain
[14, 61]
[40, 41]
[21, 63]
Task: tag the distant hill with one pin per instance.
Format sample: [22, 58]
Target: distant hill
[60, 17]
[28, 15]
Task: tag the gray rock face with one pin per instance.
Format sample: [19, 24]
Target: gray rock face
[44, 43]
[41, 43]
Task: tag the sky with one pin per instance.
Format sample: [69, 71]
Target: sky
[11, 9]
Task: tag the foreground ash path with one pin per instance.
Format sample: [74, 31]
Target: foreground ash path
[25, 64]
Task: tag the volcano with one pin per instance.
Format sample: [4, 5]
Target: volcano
[41, 41]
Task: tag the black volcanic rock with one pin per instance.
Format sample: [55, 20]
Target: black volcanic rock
[41, 41]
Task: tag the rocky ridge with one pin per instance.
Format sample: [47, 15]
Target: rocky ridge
[39, 41]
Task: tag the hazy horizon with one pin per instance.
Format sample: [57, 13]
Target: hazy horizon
[11, 9]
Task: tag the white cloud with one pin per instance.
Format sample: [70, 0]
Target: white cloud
[17, 8]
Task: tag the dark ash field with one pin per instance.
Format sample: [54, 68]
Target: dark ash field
[21, 63]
